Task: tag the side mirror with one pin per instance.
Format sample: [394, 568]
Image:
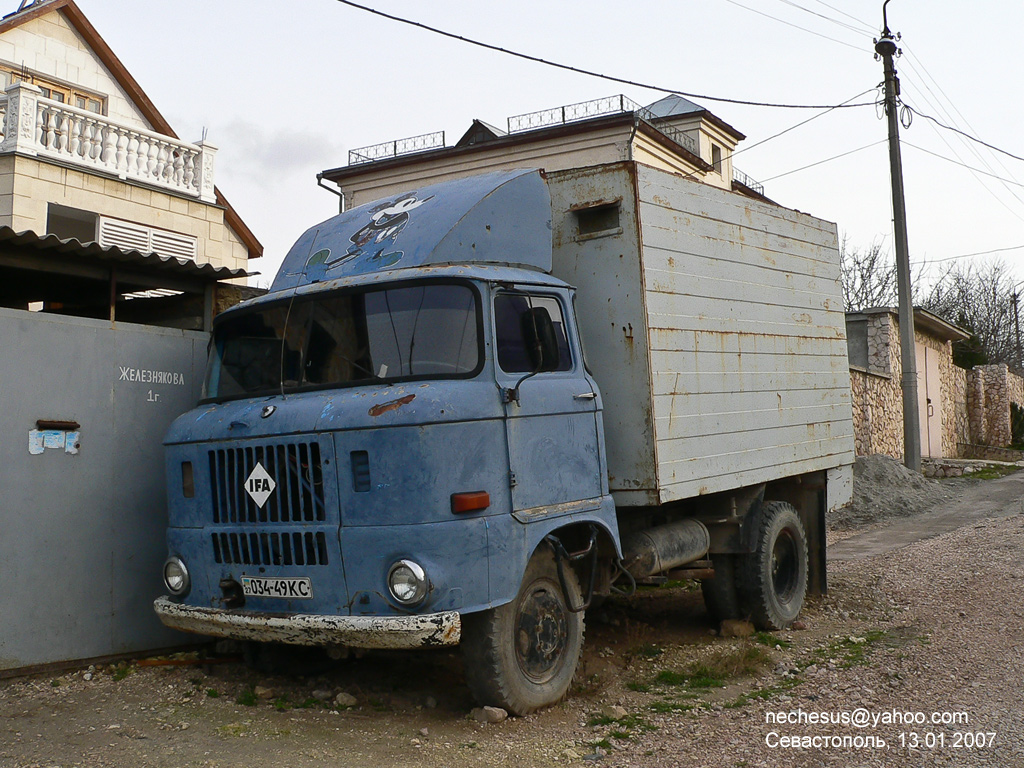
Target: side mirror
[541, 339]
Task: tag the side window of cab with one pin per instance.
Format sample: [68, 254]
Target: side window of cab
[531, 334]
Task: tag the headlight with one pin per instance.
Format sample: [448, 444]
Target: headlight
[407, 582]
[176, 576]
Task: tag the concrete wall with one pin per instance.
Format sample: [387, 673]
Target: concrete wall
[580, 150]
[82, 528]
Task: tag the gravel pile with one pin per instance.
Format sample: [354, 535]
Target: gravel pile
[884, 489]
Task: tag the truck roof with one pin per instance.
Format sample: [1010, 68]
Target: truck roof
[499, 218]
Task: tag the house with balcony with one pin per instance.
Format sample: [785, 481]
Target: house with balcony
[115, 244]
[85, 154]
[673, 134]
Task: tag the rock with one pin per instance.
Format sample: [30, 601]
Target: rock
[489, 714]
[812, 670]
[736, 628]
[87, 676]
[424, 732]
[263, 692]
[430, 703]
[321, 695]
[614, 712]
[345, 700]
[799, 625]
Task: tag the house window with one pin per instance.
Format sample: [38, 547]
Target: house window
[716, 158]
[64, 93]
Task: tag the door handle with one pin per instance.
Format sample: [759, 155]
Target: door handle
[585, 396]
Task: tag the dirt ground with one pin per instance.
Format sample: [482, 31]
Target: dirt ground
[931, 627]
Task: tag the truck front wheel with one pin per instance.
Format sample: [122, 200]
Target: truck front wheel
[772, 580]
[523, 655]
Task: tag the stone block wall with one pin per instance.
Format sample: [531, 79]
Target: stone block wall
[877, 396]
[975, 403]
[994, 388]
[877, 414]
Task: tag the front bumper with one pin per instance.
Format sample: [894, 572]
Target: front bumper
[414, 631]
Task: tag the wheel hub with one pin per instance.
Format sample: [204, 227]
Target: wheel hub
[542, 634]
[785, 566]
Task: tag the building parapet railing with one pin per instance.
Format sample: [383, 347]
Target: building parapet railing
[387, 149]
[742, 178]
[609, 105]
[36, 126]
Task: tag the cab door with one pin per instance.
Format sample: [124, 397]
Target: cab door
[551, 414]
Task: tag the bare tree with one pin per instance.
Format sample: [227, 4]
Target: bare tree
[868, 275]
[980, 300]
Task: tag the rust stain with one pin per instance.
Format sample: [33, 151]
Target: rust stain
[394, 405]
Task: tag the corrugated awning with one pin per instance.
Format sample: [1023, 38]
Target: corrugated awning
[96, 255]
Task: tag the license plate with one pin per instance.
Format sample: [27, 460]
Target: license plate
[287, 588]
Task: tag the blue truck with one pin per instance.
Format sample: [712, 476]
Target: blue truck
[465, 411]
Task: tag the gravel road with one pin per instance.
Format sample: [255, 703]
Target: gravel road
[931, 626]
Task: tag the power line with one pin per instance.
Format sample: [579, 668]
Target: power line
[965, 165]
[870, 29]
[964, 133]
[795, 26]
[802, 122]
[969, 255]
[842, 24]
[591, 73]
[826, 160]
[784, 131]
[947, 115]
[947, 139]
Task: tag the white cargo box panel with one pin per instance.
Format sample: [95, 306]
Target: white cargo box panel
[714, 326]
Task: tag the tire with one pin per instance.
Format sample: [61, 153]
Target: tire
[523, 655]
[771, 581]
[720, 596]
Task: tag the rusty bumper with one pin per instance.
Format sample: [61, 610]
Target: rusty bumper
[416, 631]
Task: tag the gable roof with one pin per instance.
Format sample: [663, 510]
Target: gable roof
[674, 105]
[479, 132]
[131, 87]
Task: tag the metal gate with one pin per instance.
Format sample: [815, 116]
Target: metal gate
[82, 491]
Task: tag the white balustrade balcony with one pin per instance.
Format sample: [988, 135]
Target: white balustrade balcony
[50, 129]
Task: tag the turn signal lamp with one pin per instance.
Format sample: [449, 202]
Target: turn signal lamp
[470, 502]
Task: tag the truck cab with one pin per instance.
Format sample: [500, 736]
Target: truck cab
[390, 436]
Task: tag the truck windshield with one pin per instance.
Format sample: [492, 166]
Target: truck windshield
[426, 330]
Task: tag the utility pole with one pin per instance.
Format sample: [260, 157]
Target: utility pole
[1016, 324]
[886, 49]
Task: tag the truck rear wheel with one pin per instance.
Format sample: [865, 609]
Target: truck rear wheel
[522, 656]
[720, 596]
[772, 580]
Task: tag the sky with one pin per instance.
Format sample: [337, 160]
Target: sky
[285, 89]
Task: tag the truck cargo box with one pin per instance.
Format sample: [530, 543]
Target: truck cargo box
[714, 326]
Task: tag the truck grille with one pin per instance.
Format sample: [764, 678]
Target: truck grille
[297, 472]
[296, 548]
